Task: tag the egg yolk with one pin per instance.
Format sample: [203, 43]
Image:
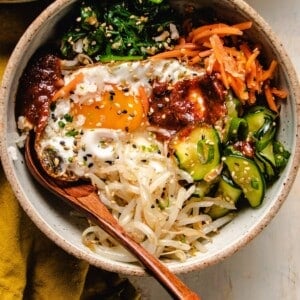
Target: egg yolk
[116, 110]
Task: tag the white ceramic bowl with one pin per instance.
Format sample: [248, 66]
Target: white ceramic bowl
[53, 217]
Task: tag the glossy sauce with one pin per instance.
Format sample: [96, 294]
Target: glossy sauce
[198, 100]
[38, 84]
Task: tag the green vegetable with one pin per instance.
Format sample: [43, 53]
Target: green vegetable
[198, 153]
[281, 155]
[120, 31]
[229, 192]
[233, 106]
[202, 188]
[238, 129]
[246, 174]
[272, 159]
[72, 133]
[262, 126]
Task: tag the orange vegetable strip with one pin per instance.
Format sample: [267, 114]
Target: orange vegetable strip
[250, 62]
[239, 88]
[220, 54]
[181, 41]
[259, 76]
[224, 76]
[243, 25]
[270, 98]
[205, 53]
[195, 60]
[203, 28]
[246, 50]
[279, 93]
[269, 73]
[65, 90]
[175, 53]
[206, 44]
[233, 51]
[144, 99]
[168, 54]
[218, 31]
[190, 46]
[252, 97]
[210, 62]
[251, 78]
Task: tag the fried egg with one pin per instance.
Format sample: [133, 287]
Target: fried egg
[101, 107]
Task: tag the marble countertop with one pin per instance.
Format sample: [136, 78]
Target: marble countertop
[268, 267]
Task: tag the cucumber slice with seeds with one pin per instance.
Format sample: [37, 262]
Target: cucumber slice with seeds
[198, 153]
[246, 174]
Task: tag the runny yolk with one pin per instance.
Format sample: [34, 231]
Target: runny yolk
[116, 110]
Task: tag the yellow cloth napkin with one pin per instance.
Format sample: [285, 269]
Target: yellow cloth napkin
[32, 266]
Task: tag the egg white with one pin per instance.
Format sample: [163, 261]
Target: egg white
[85, 150]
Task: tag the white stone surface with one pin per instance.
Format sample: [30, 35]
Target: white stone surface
[268, 267]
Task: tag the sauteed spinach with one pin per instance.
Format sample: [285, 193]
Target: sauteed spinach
[121, 31]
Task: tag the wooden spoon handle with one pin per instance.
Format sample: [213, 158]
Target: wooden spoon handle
[85, 198]
[102, 217]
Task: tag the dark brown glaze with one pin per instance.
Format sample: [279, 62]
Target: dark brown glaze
[38, 84]
[245, 147]
[190, 101]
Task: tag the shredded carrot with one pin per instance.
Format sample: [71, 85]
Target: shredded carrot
[236, 64]
[233, 52]
[65, 90]
[243, 25]
[203, 28]
[239, 88]
[210, 62]
[190, 46]
[251, 79]
[259, 80]
[205, 53]
[195, 60]
[270, 99]
[220, 54]
[216, 31]
[181, 41]
[282, 94]
[206, 44]
[176, 53]
[168, 54]
[144, 99]
[252, 97]
[269, 73]
[251, 60]
[246, 50]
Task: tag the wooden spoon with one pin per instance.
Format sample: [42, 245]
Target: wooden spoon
[83, 197]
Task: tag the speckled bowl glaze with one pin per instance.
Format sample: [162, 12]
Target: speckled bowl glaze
[53, 216]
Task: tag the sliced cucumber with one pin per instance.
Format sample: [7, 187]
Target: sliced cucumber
[265, 134]
[233, 106]
[202, 188]
[238, 130]
[246, 174]
[268, 153]
[229, 192]
[274, 158]
[256, 118]
[281, 155]
[198, 153]
[261, 126]
[270, 173]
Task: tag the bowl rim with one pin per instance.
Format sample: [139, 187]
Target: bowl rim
[137, 270]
